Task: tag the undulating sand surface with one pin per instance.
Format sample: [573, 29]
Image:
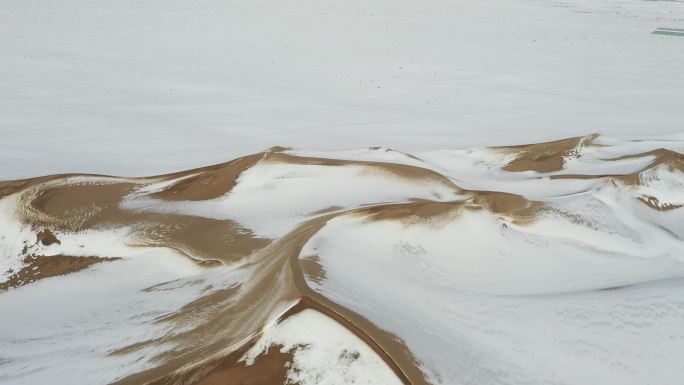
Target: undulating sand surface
[548, 263]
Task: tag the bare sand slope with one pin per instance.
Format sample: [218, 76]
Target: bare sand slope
[294, 266]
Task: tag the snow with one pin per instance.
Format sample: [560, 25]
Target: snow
[271, 198]
[378, 154]
[325, 353]
[144, 87]
[52, 323]
[16, 235]
[481, 168]
[13, 234]
[664, 184]
[589, 292]
[82, 317]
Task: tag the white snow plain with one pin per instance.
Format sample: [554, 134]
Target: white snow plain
[149, 86]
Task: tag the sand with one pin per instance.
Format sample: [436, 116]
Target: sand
[543, 157]
[40, 267]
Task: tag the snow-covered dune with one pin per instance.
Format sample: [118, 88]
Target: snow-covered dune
[558, 262]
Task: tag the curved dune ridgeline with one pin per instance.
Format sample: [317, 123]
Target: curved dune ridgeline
[448, 266]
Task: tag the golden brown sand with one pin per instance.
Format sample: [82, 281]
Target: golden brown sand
[269, 368]
[208, 182]
[543, 157]
[37, 267]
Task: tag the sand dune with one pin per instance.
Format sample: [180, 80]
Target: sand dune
[557, 262]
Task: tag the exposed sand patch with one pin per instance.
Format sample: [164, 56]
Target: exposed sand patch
[38, 267]
[543, 157]
[207, 183]
[312, 268]
[269, 368]
[46, 237]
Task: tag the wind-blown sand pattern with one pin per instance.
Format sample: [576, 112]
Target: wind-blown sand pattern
[551, 263]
